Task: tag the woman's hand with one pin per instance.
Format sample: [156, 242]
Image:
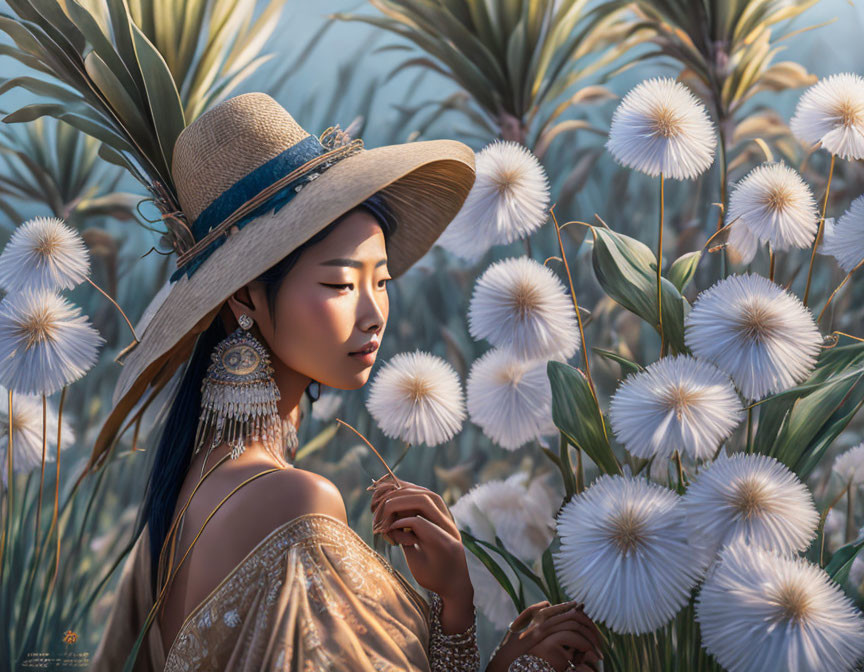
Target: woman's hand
[558, 634]
[418, 519]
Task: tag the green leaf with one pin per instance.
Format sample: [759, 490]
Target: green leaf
[551, 577]
[797, 426]
[627, 366]
[575, 413]
[626, 270]
[471, 544]
[841, 562]
[165, 105]
[683, 269]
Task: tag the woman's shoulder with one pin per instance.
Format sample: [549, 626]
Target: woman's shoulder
[281, 496]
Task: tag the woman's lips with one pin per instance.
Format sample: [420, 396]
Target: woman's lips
[367, 358]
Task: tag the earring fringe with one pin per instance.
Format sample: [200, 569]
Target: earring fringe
[238, 398]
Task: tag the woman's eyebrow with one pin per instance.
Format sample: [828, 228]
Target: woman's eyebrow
[353, 263]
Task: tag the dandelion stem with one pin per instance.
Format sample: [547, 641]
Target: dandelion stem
[770, 263]
[749, 445]
[374, 450]
[819, 232]
[659, 264]
[578, 317]
[839, 287]
[680, 471]
[116, 305]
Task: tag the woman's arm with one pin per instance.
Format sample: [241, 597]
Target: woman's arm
[543, 638]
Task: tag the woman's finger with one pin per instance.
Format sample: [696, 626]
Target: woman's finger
[575, 639]
[560, 617]
[525, 617]
[388, 492]
[398, 507]
[589, 628]
[553, 610]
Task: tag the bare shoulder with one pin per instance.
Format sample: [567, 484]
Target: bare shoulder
[297, 492]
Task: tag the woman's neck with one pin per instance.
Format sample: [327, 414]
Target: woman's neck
[255, 452]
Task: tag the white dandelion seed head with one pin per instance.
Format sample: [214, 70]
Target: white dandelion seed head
[661, 127]
[508, 201]
[677, 403]
[741, 244]
[760, 611]
[625, 553]
[849, 465]
[753, 497]
[832, 112]
[509, 398]
[519, 304]
[517, 510]
[26, 424]
[845, 240]
[44, 253]
[45, 342]
[417, 397]
[754, 330]
[776, 206]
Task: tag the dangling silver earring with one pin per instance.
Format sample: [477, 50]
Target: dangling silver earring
[239, 395]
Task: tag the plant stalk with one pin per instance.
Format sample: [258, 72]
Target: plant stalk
[819, 232]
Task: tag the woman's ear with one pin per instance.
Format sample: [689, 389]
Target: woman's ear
[241, 302]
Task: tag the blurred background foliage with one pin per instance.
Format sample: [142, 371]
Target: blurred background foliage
[545, 73]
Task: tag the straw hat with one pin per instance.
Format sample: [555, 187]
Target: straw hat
[253, 185]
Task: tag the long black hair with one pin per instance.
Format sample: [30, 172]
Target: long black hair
[174, 454]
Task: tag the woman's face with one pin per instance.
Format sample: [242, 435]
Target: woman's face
[331, 303]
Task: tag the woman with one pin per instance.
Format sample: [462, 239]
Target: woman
[246, 562]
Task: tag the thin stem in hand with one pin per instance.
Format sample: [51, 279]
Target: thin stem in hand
[131, 328]
[374, 450]
[819, 232]
[659, 264]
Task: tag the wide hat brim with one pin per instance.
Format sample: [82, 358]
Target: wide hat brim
[424, 184]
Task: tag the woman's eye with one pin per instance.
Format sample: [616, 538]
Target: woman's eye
[385, 280]
[348, 285]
